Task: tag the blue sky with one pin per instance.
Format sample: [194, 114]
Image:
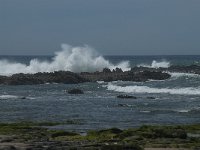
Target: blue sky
[112, 27]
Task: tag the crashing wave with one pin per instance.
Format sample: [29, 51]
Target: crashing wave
[75, 59]
[156, 64]
[146, 89]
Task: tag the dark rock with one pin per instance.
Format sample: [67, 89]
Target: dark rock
[75, 91]
[154, 75]
[106, 70]
[23, 97]
[41, 78]
[137, 76]
[7, 147]
[66, 77]
[117, 70]
[63, 133]
[126, 96]
[150, 97]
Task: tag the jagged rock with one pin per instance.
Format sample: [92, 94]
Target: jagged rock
[117, 70]
[126, 96]
[137, 74]
[106, 70]
[75, 91]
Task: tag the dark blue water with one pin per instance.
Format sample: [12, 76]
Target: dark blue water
[177, 100]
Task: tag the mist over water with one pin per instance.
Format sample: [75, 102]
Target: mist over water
[75, 59]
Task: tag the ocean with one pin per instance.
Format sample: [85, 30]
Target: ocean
[177, 100]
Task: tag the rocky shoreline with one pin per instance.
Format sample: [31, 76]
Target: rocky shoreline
[37, 136]
[67, 77]
[137, 74]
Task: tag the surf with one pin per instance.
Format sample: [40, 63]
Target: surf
[75, 59]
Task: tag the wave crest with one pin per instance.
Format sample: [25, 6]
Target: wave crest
[146, 89]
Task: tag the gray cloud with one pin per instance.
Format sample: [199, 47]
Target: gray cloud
[131, 27]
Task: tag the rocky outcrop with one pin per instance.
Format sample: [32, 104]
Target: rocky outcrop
[67, 77]
[138, 76]
[75, 91]
[41, 78]
[126, 97]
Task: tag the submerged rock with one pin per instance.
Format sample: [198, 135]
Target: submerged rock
[23, 97]
[126, 96]
[75, 91]
[151, 97]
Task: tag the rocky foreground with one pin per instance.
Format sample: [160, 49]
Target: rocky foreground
[37, 136]
[137, 74]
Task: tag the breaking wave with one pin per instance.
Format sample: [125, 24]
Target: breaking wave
[179, 74]
[75, 59]
[156, 64]
[146, 89]
[5, 97]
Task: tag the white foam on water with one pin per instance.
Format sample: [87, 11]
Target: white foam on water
[145, 111]
[146, 89]
[5, 97]
[177, 74]
[100, 82]
[75, 59]
[156, 64]
[183, 111]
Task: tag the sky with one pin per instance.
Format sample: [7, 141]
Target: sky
[112, 27]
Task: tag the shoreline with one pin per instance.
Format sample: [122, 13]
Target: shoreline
[36, 135]
[136, 74]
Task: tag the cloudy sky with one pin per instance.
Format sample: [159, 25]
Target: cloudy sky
[112, 27]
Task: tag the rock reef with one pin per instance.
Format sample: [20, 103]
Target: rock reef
[137, 74]
[65, 77]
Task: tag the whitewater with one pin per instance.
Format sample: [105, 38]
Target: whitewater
[75, 59]
[176, 100]
[150, 90]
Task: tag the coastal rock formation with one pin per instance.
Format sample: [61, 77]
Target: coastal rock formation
[65, 77]
[136, 74]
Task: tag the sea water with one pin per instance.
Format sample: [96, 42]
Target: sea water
[176, 100]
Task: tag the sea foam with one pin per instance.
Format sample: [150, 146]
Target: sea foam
[156, 64]
[146, 89]
[75, 59]
[179, 74]
[5, 97]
